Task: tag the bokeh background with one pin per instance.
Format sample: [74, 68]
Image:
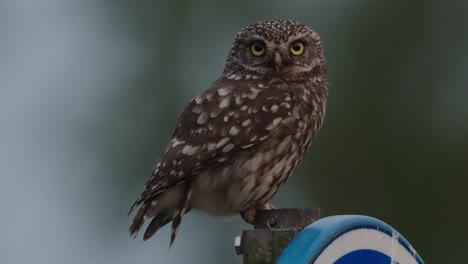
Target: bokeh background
[90, 91]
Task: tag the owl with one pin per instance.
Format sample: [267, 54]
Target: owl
[237, 142]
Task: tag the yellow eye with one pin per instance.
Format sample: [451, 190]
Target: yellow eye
[297, 48]
[257, 48]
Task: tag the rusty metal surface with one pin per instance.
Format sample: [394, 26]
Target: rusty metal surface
[286, 218]
[273, 230]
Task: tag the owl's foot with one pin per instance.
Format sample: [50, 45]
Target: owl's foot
[249, 214]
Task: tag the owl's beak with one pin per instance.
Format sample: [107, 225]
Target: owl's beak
[278, 61]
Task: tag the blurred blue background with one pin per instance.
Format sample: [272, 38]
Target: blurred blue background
[90, 92]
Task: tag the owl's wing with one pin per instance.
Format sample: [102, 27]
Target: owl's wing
[228, 118]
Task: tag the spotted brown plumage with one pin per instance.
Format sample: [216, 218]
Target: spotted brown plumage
[237, 142]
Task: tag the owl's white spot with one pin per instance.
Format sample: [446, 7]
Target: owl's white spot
[238, 78]
[254, 77]
[180, 173]
[224, 91]
[246, 122]
[253, 138]
[253, 95]
[247, 146]
[232, 76]
[264, 108]
[226, 118]
[189, 150]
[239, 100]
[176, 142]
[174, 162]
[260, 85]
[274, 108]
[179, 162]
[222, 142]
[248, 76]
[228, 147]
[154, 202]
[263, 138]
[288, 98]
[211, 146]
[172, 172]
[209, 96]
[199, 99]
[163, 165]
[243, 108]
[234, 130]
[286, 105]
[225, 102]
[202, 118]
[215, 112]
[245, 95]
[196, 109]
[222, 159]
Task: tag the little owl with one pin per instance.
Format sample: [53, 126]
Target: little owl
[237, 142]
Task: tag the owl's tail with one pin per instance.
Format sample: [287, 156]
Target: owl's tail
[162, 216]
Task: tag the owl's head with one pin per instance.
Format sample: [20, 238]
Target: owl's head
[275, 48]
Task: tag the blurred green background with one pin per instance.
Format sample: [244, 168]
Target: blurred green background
[90, 92]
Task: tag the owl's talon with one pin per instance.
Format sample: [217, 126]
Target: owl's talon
[250, 214]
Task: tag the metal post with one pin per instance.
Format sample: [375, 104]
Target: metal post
[273, 229]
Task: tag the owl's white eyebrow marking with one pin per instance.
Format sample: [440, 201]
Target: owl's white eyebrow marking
[234, 131]
[246, 122]
[228, 147]
[222, 142]
[225, 102]
[189, 150]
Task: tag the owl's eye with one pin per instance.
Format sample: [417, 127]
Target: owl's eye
[297, 48]
[257, 48]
